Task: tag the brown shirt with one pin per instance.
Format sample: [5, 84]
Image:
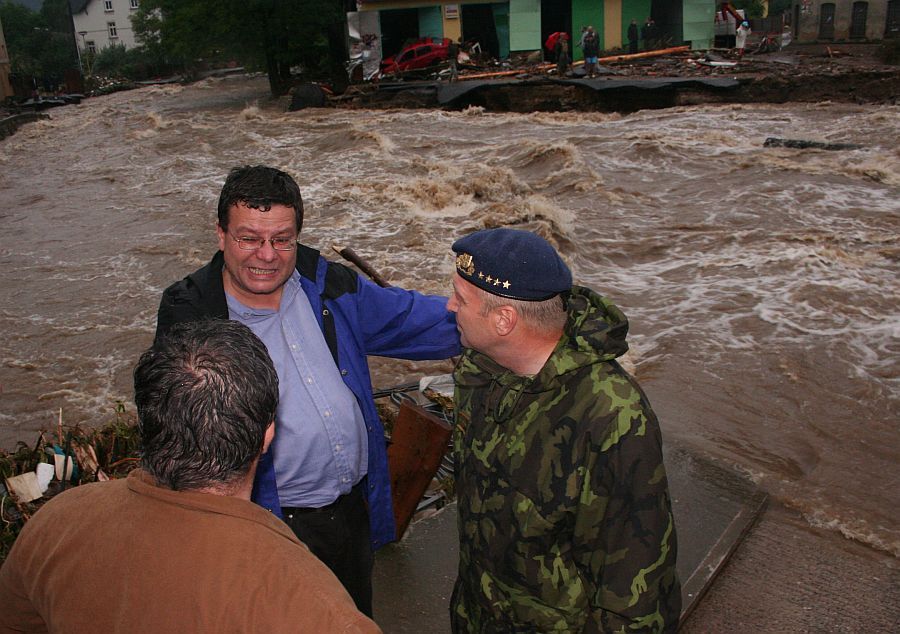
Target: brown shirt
[129, 556]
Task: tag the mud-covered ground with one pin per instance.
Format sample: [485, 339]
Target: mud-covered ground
[854, 73]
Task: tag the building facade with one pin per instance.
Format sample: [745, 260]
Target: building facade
[101, 23]
[6, 89]
[845, 20]
[519, 26]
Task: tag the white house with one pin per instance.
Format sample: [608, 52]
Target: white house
[100, 23]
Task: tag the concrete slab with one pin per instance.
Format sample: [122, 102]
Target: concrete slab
[789, 577]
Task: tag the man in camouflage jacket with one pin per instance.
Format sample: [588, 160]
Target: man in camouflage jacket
[565, 518]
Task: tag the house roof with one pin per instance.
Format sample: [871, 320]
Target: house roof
[78, 6]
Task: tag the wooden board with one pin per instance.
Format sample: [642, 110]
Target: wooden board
[418, 443]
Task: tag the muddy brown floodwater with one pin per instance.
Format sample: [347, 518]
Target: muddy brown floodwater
[761, 283]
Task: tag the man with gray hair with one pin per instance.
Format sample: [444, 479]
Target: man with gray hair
[565, 519]
[178, 546]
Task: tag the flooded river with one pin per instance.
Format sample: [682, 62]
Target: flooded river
[761, 283]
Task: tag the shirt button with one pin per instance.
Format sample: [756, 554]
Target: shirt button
[293, 346]
[337, 447]
[309, 380]
[327, 413]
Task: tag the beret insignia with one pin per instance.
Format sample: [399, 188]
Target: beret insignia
[465, 264]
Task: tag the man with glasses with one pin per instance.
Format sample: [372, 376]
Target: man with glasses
[326, 472]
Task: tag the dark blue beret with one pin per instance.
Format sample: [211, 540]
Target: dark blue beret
[512, 263]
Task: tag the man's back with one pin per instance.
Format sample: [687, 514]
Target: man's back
[131, 556]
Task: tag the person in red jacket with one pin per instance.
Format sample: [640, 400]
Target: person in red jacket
[561, 54]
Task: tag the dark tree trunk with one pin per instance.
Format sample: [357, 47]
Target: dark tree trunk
[338, 55]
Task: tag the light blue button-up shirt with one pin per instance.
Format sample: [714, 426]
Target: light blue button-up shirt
[320, 448]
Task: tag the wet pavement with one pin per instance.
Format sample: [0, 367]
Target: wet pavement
[713, 510]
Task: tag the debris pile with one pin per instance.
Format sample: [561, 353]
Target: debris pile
[60, 459]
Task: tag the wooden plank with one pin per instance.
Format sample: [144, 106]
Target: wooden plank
[418, 444]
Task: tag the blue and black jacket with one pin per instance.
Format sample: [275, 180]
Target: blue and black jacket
[357, 318]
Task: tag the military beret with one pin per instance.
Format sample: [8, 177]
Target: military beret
[512, 263]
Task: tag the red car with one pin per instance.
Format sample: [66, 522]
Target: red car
[420, 54]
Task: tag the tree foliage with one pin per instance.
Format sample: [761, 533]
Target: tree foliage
[777, 7]
[39, 43]
[117, 62]
[752, 8]
[271, 35]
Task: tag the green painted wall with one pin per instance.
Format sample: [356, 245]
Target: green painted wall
[585, 13]
[592, 12]
[637, 10]
[431, 23]
[525, 25]
[699, 18]
[501, 22]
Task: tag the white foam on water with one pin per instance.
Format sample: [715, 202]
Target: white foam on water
[855, 529]
[719, 250]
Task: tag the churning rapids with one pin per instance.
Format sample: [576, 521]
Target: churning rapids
[761, 283]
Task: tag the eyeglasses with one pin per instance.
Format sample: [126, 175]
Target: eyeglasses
[247, 243]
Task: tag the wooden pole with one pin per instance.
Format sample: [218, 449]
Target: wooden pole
[614, 58]
[645, 54]
[351, 256]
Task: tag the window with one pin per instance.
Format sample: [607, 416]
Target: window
[134, 4]
[111, 27]
[826, 21]
[858, 20]
[107, 6]
[91, 47]
[892, 24]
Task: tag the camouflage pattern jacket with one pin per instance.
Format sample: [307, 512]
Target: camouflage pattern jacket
[565, 519]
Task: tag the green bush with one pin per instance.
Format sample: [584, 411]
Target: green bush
[135, 64]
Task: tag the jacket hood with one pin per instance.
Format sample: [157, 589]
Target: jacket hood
[594, 333]
[595, 326]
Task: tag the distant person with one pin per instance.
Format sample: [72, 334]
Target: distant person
[453, 56]
[561, 54]
[633, 37]
[565, 516]
[178, 546]
[650, 35]
[584, 30]
[327, 472]
[786, 37]
[740, 38]
[591, 52]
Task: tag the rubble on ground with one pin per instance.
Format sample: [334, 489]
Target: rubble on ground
[846, 72]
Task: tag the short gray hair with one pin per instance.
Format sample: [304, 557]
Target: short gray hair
[548, 315]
